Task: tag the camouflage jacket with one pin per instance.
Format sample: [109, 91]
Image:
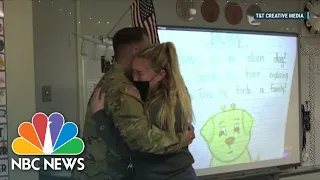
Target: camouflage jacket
[125, 108]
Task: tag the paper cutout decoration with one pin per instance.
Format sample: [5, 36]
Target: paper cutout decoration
[2, 44]
[4, 167]
[2, 62]
[3, 132]
[313, 23]
[2, 79]
[3, 115]
[186, 9]
[251, 11]
[3, 97]
[1, 27]
[210, 10]
[3, 149]
[233, 13]
[1, 9]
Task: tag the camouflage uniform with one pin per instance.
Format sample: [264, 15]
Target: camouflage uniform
[125, 108]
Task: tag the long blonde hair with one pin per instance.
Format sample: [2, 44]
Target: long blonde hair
[171, 89]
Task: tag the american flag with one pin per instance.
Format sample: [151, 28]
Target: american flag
[143, 15]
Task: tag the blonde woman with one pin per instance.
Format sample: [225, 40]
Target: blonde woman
[157, 76]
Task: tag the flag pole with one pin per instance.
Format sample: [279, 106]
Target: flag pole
[123, 15]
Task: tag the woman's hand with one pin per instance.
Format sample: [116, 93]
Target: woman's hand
[97, 100]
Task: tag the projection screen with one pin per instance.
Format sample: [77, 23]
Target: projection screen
[245, 96]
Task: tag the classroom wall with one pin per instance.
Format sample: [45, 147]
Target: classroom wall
[55, 46]
[20, 72]
[55, 56]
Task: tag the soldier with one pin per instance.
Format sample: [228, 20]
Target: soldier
[106, 160]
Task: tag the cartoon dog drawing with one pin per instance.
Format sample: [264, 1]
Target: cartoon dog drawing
[228, 135]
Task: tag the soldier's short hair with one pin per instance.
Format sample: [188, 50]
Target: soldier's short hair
[127, 36]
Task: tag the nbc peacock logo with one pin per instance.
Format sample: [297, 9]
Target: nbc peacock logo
[48, 136]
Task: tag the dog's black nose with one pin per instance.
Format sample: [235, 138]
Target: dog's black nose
[230, 140]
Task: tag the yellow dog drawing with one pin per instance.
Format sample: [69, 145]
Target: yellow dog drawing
[228, 134]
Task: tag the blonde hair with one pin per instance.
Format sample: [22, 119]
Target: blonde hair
[171, 89]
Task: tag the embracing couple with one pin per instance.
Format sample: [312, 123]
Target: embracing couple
[139, 119]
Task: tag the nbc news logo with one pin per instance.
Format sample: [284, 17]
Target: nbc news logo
[48, 136]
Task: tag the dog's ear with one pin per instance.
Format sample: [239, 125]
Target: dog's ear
[207, 131]
[247, 122]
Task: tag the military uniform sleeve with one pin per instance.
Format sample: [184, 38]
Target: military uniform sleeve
[138, 133]
[109, 133]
